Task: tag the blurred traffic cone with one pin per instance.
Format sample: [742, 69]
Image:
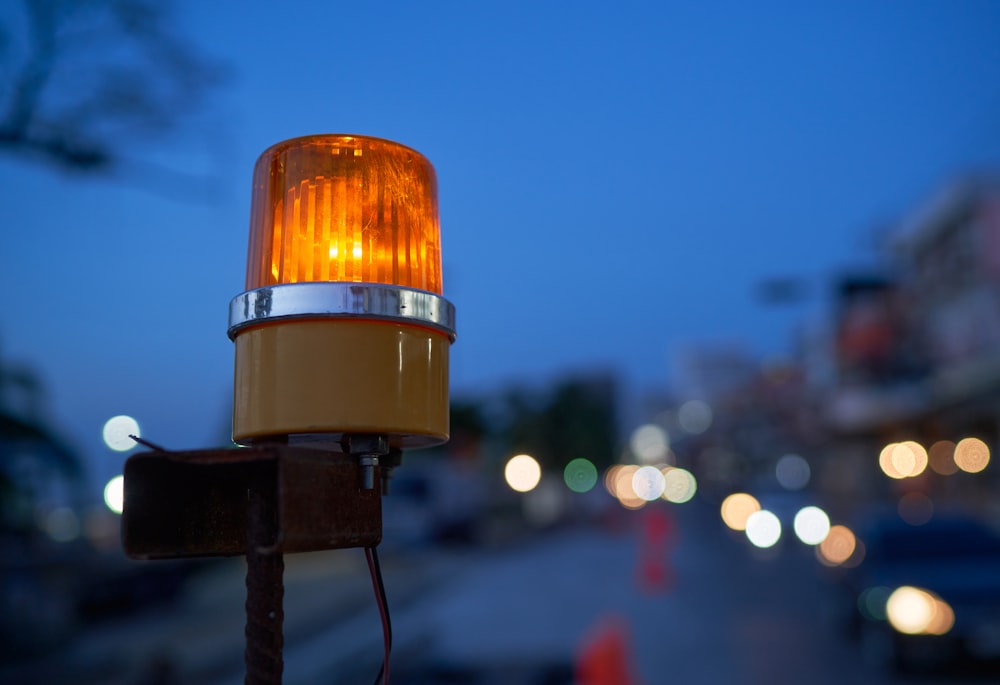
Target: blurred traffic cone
[604, 656]
[654, 573]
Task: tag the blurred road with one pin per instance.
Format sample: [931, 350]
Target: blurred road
[681, 601]
[717, 611]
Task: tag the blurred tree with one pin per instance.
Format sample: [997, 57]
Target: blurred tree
[466, 416]
[469, 429]
[81, 81]
[34, 461]
[578, 419]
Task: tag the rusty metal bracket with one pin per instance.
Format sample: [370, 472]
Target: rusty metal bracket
[260, 502]
[195, 503]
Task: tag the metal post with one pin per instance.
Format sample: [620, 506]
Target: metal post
[265, 591]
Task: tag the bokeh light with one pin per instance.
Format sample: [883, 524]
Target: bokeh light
[618, 481]
[811, 525]
[544, 504]
[919, 456]
[611, 478]
[632, 502]
[650, 443]
[763, 529]
[679, 485]
[857, 557]
[522, 473]
[114, 494]
[580, 475]
[736, 509]
[792, 472]
[694, 416]
[838, 546]
[648, 483]
[117, 432]
[914, 611]
[909, 609]
[62, 524]
[102, 529]
[943, 620]
[915, 508]
[942, 457]
[972, 455]
[885, 461]
[872, 601]
[903, 459]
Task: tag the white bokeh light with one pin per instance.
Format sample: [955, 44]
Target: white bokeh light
[62, 524]
[650, 444]
[694, 416]
[648, 483]
[910, 610]
[679, 486]
[763, 529]
[117, 432]
[114, 494]
[811, 525]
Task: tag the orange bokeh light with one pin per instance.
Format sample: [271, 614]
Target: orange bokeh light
[736, 509]
[838, 546]
[972, 455]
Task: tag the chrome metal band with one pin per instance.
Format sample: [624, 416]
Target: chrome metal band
[336, 300]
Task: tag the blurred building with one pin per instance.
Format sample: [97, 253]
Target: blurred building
[713, 370]
[756, 414]
[949, 258]
[911, 352]
[925, 337]
[917, 348]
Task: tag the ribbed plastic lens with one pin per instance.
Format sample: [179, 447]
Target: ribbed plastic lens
[344, 208]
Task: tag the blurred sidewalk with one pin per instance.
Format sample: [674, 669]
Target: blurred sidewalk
[199, 639]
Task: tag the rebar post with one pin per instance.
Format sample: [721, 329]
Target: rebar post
[263, 502]
[265, 591]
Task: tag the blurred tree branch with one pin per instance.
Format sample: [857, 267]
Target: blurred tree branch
[82, 80]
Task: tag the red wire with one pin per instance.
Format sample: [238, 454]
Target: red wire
[383, 611]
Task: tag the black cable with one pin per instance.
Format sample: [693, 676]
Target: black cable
[146, 443]
[375, 568]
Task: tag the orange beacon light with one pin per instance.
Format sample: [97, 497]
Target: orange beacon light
[342, 330]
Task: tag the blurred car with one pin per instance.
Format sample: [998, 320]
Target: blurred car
[434, 502]
[927, 594]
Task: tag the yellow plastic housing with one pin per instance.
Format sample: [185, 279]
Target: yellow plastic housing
[330, 377]
[344, 208]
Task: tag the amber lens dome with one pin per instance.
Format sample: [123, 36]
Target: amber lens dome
[344, 208]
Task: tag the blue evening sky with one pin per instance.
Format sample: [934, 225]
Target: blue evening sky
[616, 180]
